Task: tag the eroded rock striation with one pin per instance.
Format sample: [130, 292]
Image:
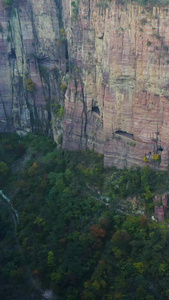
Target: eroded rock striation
[118, 97]
[32, 61]
[114, 61]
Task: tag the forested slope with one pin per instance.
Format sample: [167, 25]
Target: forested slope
[79, 234]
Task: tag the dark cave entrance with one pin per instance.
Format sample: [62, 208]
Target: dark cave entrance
[125, 134]
[96, 110]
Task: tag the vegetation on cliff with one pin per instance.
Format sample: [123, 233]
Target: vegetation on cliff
[105, 3]
[78, 233]
[9, 3]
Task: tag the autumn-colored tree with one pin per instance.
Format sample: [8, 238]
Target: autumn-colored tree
[36, 272]
[97, 232]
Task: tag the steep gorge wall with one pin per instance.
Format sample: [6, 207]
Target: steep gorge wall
[116, 70]
[32, 65]
[118, 97]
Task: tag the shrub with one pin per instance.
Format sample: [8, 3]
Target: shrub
[73, 4]
[61, 112]
[145, 159]
[63, 87]
[30, 85]
[58, 110]
[156, 157]
[157, 36]
[102, 4]
[148, 43]
[3, 169]
[62, 32]
[75, 10]
[8, 2]
[165, 47]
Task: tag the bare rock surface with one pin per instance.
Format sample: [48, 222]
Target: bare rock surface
[118, 98]
[114, 61]
[31, 61]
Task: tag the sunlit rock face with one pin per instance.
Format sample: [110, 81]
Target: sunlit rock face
[118, 97]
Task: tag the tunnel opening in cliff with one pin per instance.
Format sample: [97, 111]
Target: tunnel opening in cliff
[96, 110]
[159, 149]
[125, 134]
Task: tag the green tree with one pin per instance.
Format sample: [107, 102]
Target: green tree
[51, 259]
[8, 2]
[4, 170]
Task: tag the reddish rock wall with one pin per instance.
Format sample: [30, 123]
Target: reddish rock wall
[117, 100]
[161, 206]
[120, 64]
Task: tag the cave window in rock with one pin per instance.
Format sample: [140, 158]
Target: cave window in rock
[96, 110]
[159, 150]
[12, 54]
[125, 134]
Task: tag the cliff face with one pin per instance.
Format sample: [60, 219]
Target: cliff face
[32, 60]
[117, 99]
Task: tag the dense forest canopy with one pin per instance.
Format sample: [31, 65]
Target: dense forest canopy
[78, 234]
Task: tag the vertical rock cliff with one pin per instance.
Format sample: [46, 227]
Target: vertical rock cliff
[111, 59]
[32, 64]
[118, 97]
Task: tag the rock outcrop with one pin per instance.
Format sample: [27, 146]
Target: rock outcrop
[160, 208]
[114, 60]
